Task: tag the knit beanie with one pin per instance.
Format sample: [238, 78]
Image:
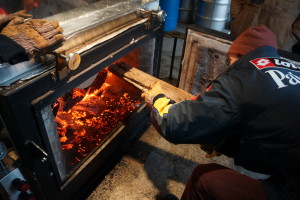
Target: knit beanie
[252, 39]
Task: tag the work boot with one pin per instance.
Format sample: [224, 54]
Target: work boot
[171, 197]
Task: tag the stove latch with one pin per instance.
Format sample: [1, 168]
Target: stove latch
[66, 63]
[39, 152]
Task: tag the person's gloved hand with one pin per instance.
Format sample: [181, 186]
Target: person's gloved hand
[155, 90]
[163, 105]
[36, 36]
[5, 19]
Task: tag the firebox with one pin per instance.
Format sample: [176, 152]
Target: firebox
[67, 118]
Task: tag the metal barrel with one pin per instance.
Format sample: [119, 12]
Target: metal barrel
[186, 11]
[212, 13]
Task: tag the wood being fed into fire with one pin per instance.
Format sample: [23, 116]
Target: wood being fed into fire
[145, 82]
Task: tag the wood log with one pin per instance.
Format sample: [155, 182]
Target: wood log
[145, 82]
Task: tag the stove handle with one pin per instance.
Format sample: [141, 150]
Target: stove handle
[41, 152]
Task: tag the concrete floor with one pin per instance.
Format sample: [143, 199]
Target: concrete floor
[166, 57]
[153, 167]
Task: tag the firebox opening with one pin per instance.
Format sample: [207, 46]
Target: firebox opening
[86, 116]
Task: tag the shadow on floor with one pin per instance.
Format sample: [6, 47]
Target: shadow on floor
[162, 167]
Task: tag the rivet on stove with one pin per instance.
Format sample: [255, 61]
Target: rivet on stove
[53, 76]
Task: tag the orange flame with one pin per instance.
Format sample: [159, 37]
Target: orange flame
[86, 116]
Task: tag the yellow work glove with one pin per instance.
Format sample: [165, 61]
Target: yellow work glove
[36, 36]
[155, 90]
[162, 105]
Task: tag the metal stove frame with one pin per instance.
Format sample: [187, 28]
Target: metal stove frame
[21, 103]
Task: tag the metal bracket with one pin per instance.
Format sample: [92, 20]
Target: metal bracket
[42, 153]
[66, 63]
[151, 14]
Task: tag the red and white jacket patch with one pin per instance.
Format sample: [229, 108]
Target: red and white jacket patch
[283, 72]
[261, 63]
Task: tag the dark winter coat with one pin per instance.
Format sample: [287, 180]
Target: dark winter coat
[257, 100]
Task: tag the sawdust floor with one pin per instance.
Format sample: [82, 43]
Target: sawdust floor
[152, 168]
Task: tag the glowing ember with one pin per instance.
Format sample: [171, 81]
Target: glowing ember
[85, 117]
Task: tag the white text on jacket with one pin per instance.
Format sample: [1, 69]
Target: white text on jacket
[283, 80]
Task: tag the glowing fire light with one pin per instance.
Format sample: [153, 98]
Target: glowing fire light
[86, 116]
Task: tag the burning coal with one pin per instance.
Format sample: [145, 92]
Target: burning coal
[85, 117]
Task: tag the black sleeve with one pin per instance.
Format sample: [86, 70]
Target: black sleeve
[10, 51]
[214, 116]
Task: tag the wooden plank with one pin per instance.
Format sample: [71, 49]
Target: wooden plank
[145, 82]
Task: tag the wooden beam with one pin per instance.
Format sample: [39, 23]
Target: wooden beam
[145, 82]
